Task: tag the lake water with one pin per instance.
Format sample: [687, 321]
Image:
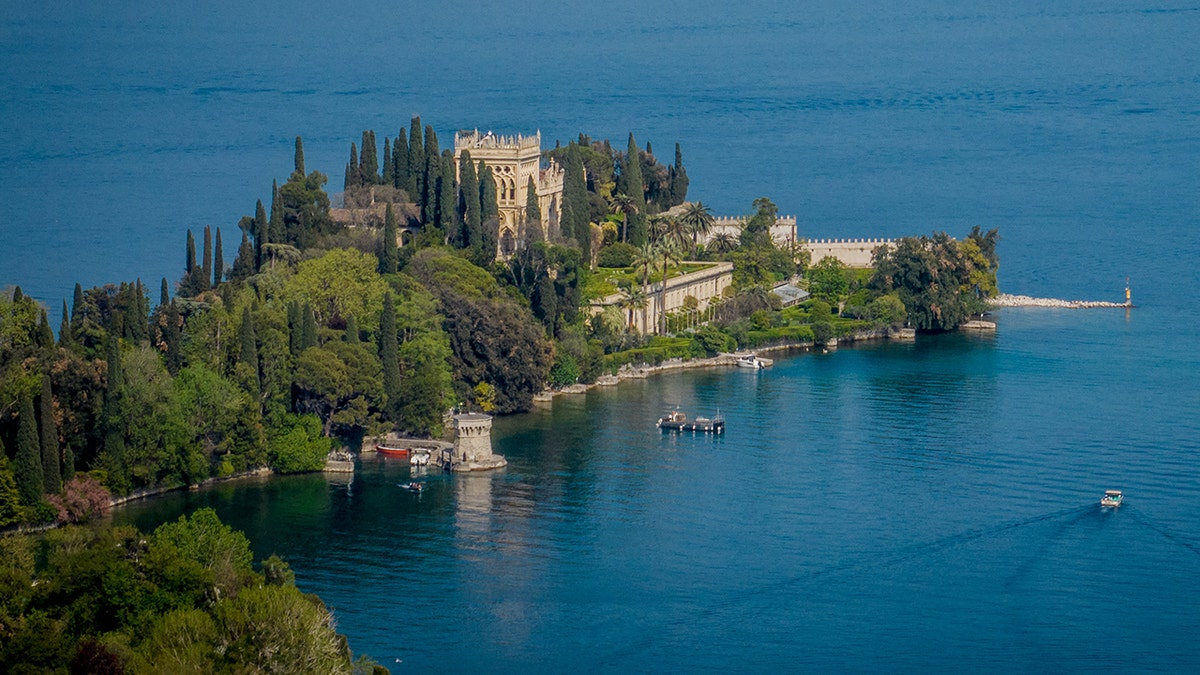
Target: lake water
[887, 507]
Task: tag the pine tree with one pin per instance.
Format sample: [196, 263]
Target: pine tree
[218, 261]
[190, 258]
[389, 169]
[447, 196]
[416, 160]
[400, 173]
[206, 270]
[352, 336]
[243, 264]
[388, 256]
[632, 184]
[298, 163]
[276, 231]
[468, 188]
[48, 431]
[533, 215]
[65, 336]
[27, 464]
[389, 351]
[368, 167]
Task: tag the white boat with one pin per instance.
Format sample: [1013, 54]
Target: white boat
[750, 361]
[419, 458]
[1112, 499]
[412, 486]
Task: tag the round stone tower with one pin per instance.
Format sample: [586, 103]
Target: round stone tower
[473, 444]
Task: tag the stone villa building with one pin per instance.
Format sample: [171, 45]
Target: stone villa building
[514, 160]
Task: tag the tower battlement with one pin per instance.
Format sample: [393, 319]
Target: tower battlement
[471, 139]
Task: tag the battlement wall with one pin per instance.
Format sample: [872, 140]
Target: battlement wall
[851, 252]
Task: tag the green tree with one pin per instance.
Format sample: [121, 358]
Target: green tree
[827, 280]
[48, 433]
[276, 229]
[388, 257]
[631, 183]
[248, 352]
[389, 355]
[401, 176]
[679, 179]
[369, 163]
[416, 161]
[207, 267]
[339, 284]
[339, 383]
[10, 495]
[298, 161]
[447, 192]
[469, 208]
[297, 445]
[27, 468]
[931, 276]
[218, 261]
[533, 215]
[353, 175]
[244, 265]
[389, 169]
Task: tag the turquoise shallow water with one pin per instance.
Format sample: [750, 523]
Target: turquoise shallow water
[887, 507]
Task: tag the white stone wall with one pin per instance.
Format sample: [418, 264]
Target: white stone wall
[851, 252]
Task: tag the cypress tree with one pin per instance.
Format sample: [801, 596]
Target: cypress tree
[65, 337]
[368, 167]
[10, 496]
[352, 336]
[17, 295]
[388, 256]
[206, 269]
[164, 296]
[276, 232]
[114, 438]
[262, 233]
[574, 209]
[294, 328]
[468, 183]
[77, 304]
[248, 354]
[353, 177]
[489, 212]
[632, 184]
[27, 464]
[51, 472]
[389, 351]
[190, 258]
[447, 195]
[533, 214]
[389, 170]
[429, 198]
[308, 332]
[649, 150]
[243, 264]
[298, 163]
[679, 179]
[431, 143]
[218, 261]
[400, 174]
[45, 334]
[172, 338]
[416, 160]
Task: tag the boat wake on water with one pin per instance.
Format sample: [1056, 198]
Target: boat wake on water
[1190, 545]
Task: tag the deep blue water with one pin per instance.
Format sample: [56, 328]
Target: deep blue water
[889, 507]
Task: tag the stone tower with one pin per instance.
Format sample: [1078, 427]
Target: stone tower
[514, 160]
[473, 444]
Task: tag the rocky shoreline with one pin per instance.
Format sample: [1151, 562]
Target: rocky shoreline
[1005, 300]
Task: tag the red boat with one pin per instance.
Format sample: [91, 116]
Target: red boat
[392, 452]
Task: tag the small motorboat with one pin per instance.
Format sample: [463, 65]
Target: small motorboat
[419, 458]
[1111, 499]
[750, 361]
[412, 486]
[389, 451]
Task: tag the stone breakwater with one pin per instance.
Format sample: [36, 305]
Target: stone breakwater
[1005, 300]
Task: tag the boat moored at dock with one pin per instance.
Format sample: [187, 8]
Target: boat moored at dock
[390, 451]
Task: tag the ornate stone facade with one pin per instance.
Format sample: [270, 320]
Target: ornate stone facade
[514, 160]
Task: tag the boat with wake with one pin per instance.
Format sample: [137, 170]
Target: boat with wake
[678, 422]
[412, 486]
[1111, 499]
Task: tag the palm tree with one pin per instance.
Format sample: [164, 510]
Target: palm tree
[668, 250]
[722, 242]
[635, 298]
[644, 261]
[698, 220]
[667, 227]
[623, 204]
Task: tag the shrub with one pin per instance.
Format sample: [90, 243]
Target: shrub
[709, 341]
[619, 254]
[822, 331]
[299, 445]
[565, 370]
